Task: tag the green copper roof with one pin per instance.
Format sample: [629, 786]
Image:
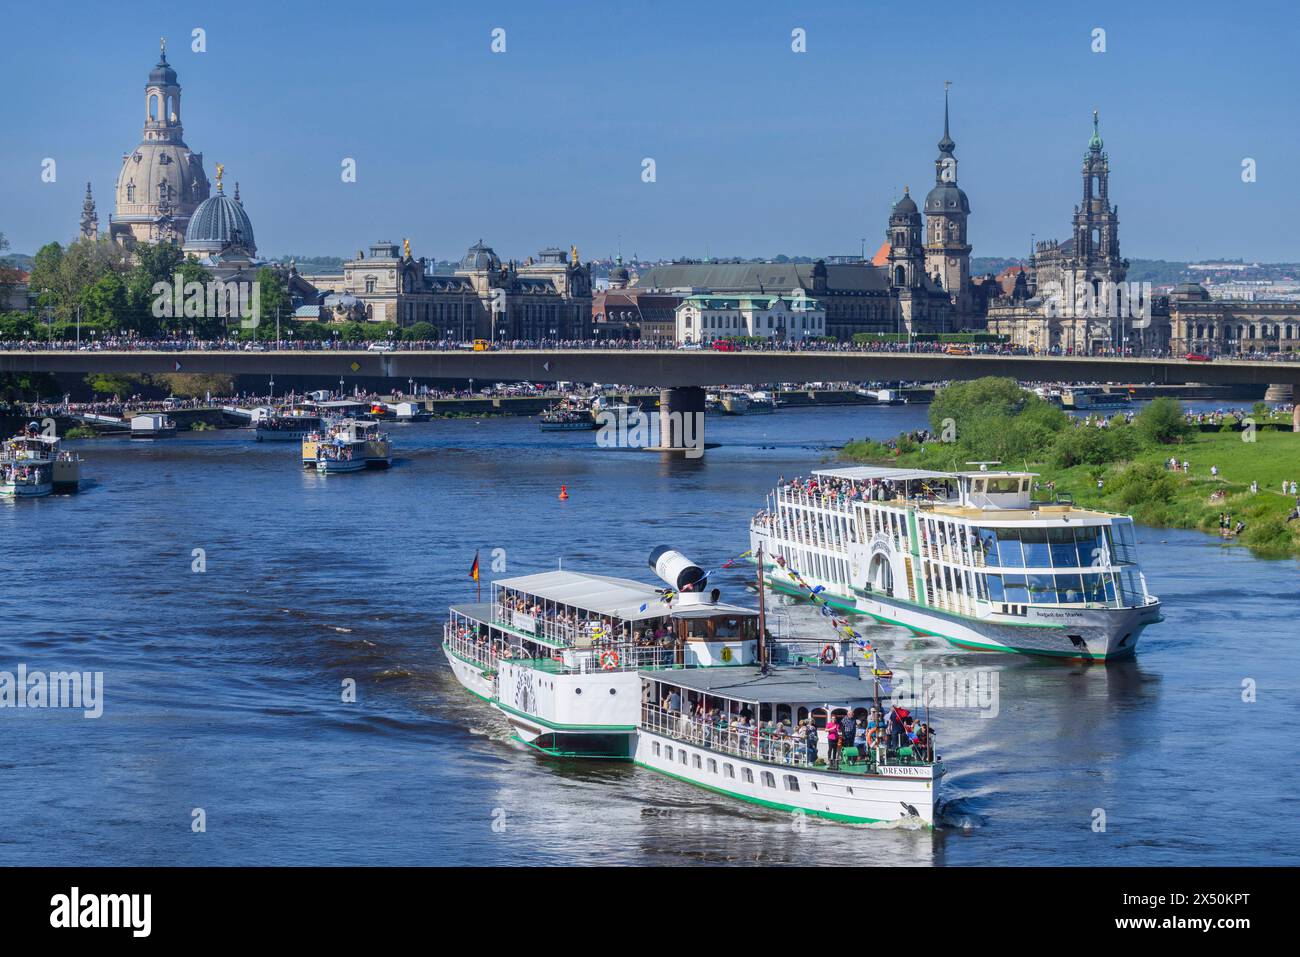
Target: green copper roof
[1095, 142]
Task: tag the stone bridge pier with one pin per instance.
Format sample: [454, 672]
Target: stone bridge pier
[681, 421]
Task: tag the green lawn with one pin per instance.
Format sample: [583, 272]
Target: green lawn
[1143, 488]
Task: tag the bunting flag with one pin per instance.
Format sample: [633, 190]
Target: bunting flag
[732, 561]
[843, 626]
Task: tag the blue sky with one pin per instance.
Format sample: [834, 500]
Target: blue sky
[758, 150]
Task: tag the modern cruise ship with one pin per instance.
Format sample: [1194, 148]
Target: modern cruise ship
[970, 557]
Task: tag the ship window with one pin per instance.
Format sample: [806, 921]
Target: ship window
[698, 763]
[681, 755]
[769, 780]
[728, 771]
[713, 766]
[747, 775]
[668, 752]
[791, 782]
[657, 749]
[1016, 588]
[1037, 554]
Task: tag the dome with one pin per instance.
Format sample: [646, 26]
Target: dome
[479, 258]
[219, 222]
[162, 74]
[1190, 290]
[905, 208]
[946, 198]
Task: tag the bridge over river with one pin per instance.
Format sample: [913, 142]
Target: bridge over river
[682, 375]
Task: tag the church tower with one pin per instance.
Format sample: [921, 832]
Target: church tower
[906, 253]
[89, 217]
[162, 182]
[1096, 223]
[947, 253]
[907, 262]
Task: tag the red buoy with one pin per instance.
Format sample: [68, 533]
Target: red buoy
[564, 492]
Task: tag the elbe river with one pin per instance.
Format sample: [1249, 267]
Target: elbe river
[222, 689]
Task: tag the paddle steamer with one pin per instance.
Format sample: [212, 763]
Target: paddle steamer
[681, 683]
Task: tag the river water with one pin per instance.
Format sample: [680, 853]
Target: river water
[222, 688]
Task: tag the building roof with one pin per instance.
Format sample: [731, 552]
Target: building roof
[748, 683]
[621, 598]
[479, 258]
[763, 277]
[220, 221]
[862, 473]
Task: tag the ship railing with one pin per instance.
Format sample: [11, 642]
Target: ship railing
[482, 651]
[755, 744]
[555, 632]
[617, 657]
[752, 744]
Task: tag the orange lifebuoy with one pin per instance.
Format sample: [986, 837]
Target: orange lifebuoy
[828, 655]
[609, 659]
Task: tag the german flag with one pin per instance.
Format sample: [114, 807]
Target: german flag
[473, 569]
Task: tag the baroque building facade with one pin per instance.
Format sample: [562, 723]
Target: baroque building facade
[1073, 296]
[547, 297]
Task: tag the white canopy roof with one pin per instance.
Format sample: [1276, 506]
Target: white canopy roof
[862, 473]
[620, 598]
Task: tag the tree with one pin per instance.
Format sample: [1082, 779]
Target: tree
[274, 299]
[1162, 422]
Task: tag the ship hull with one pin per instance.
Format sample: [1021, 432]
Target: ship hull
[906, 793]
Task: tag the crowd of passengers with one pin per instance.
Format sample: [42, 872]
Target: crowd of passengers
[601, 629]
[852, 739]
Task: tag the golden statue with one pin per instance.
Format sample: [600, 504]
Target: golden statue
[220, 170]
[573, 255]
[406, 247]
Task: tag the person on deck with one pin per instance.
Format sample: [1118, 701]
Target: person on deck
[848, 732]
[832, 744]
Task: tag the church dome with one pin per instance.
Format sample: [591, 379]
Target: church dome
[946, 198]
[218, 223]
[905, 208]
[480, 258]
[162, 74]
[162, 181]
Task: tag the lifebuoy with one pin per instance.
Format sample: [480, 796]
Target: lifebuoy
[609, 659]
[828, 655]
[872, 737]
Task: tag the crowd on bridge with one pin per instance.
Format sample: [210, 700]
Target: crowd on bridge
[130, 343]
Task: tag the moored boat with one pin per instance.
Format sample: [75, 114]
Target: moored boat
[292, 424]
[152, 425]
[33, 449]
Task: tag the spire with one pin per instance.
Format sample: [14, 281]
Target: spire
[1094, 144]
[237, 200]
[89, 217]
[946, 145]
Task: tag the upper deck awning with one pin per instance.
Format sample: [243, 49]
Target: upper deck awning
[863, 473]
[620, 598]
[781, 685]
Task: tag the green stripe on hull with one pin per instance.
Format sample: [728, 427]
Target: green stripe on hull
[774, 805]
[556, 726]
[1071, 655]
[584, 755]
